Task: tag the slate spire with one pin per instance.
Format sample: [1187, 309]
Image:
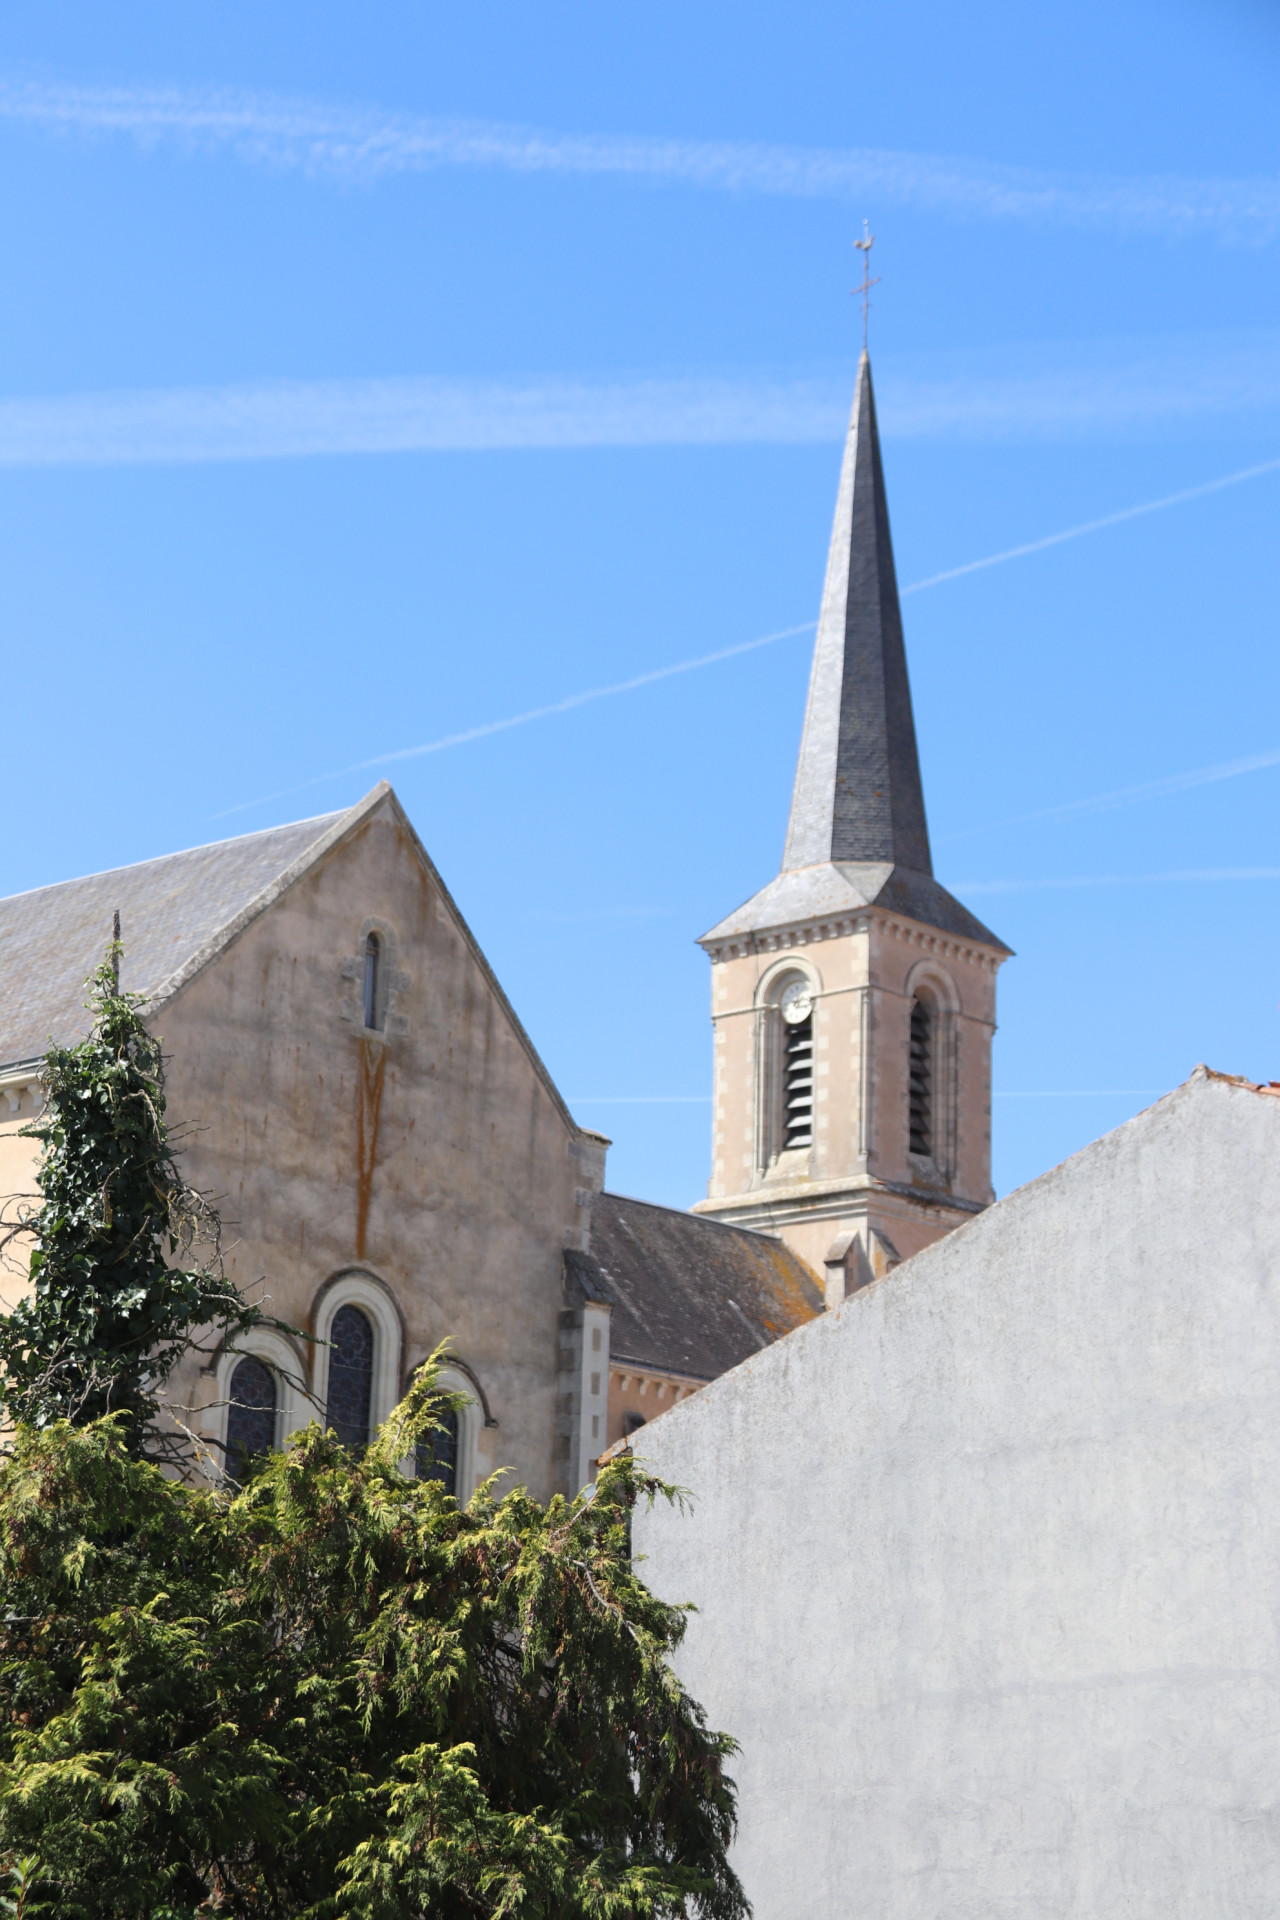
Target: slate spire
[857, 794]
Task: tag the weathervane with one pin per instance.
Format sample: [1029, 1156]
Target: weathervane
[864, 287]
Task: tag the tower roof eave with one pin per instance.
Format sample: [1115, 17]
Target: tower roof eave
[841, 887]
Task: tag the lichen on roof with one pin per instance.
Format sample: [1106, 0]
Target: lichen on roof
[690, 1295]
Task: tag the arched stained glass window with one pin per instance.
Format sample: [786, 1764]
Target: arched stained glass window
[436, 1455]
[350, 1376]
[251, 1415]
[373, 983]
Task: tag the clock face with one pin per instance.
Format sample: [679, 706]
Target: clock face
[796, 1002]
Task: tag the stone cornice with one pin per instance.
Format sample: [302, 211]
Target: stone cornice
[789, 1202]
[22, 1077]
[21, 1073]
[773, 1216]
[647, 1370]
[804, 933]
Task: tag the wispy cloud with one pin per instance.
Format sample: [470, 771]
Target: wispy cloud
[367, 143]
[1182, 877]
[1146, 389]
[1129, 796]
[291, 419]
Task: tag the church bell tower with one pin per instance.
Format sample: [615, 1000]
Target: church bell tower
[853, 999]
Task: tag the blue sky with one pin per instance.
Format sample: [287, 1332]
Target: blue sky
[370, 375]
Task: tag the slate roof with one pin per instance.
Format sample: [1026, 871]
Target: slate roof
[857, 834]
[818, 893]
[857, 794]
[690, 1296]
[171, 911]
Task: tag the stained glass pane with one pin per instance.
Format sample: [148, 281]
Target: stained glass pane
[251, 1415]
[436, 1456]
[350, 1376]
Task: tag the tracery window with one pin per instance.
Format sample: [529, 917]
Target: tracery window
[373, 983]
[920, 1087]
[436, 1454]
[350, 1376]
[251, 1414]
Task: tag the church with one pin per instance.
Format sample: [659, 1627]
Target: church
[394, 1164]
[983, 1547]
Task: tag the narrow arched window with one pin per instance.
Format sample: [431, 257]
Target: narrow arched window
[373, 983]
[436, 1454]
[920, 1077]
[251, 1415]
[350, 1376]
[797, 1081]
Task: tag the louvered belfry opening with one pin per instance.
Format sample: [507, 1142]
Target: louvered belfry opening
[797, 1084]
[920, 1081]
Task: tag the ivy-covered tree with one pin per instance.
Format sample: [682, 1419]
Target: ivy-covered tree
[337, 1695]
[114, 1299]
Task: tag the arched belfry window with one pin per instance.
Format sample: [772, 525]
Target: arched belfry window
[251, 1414]
[796, 1007]
[373, 983]
[350, 1376]
[920, 1077]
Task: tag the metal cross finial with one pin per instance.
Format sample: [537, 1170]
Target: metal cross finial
[865, 285]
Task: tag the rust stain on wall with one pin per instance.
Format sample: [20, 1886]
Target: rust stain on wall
[373, 1071]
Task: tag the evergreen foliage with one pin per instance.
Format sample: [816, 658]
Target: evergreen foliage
[111, 1309]
[337, 1695]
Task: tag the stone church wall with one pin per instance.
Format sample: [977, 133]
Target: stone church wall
[987, 1561]
[426, 1166]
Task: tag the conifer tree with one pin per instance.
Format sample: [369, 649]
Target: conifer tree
[338, 1695]
[114, 1300]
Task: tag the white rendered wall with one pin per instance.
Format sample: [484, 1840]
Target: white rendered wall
[988, 1560]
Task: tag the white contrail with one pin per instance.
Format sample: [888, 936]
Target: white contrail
[1131, 796]
[1095, 526]
[365, 143]
[641, 1100]
[523, 719]
[1125, 796]
[1186, 875]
